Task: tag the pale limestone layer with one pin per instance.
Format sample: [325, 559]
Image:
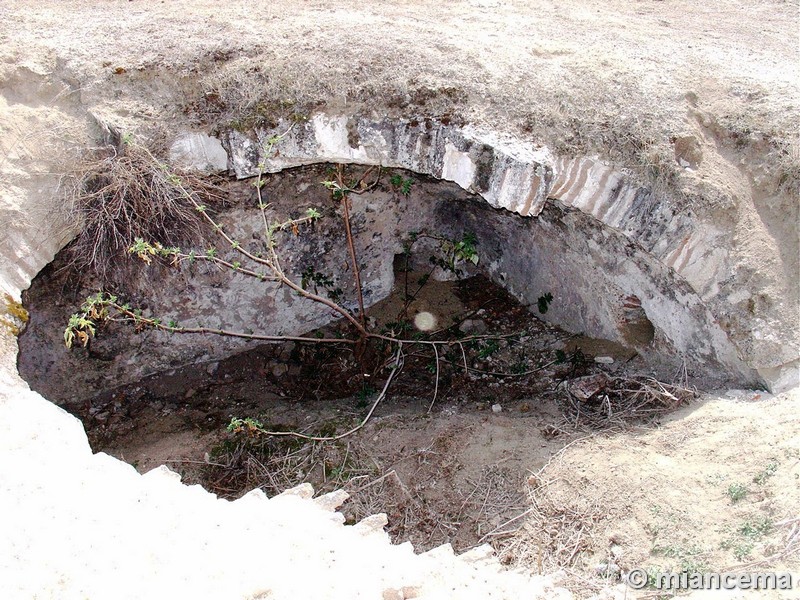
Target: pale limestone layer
[198, 152]
[508, 173]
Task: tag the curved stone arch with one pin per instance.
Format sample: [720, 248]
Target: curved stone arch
[520, 177]
[508, 173]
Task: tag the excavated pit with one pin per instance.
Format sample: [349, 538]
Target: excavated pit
[564, 297]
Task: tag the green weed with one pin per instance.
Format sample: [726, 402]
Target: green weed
[769, 471]
[737, 492]
[544, 301]
[402, 184]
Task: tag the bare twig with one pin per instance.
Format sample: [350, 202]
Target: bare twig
[436, 386]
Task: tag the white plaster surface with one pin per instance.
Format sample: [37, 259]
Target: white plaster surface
[77, 525]
[198, 152]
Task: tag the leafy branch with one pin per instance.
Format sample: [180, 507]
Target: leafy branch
[266, 266]
[103, 307]
[341, 191]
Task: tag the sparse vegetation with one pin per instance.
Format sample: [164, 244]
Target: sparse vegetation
[686, 558]
[737, 492]
[762, 476]
[743, 540]
[403, 184]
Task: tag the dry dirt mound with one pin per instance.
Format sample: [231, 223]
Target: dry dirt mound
[713, 489]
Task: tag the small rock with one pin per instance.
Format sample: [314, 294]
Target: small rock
[604, 360]
[189, 393]
[287, 349]
[584, 388]
[524, 407]
[496, 408]
[607, 569]
[280, 369]
[212, 368]
[410, 592]
[473, 326]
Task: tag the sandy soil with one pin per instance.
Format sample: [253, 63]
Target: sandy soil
[619, 78]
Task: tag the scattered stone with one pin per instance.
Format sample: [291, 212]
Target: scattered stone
[496, 408]
[617, 551]
[688, 151]
[607, 569]
[524, 407]
[198, 152]
[212, 368]
[280, 370]
[286, 350]
[604, 360]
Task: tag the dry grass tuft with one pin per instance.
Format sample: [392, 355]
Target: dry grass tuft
[121, 192]
[555, 536]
